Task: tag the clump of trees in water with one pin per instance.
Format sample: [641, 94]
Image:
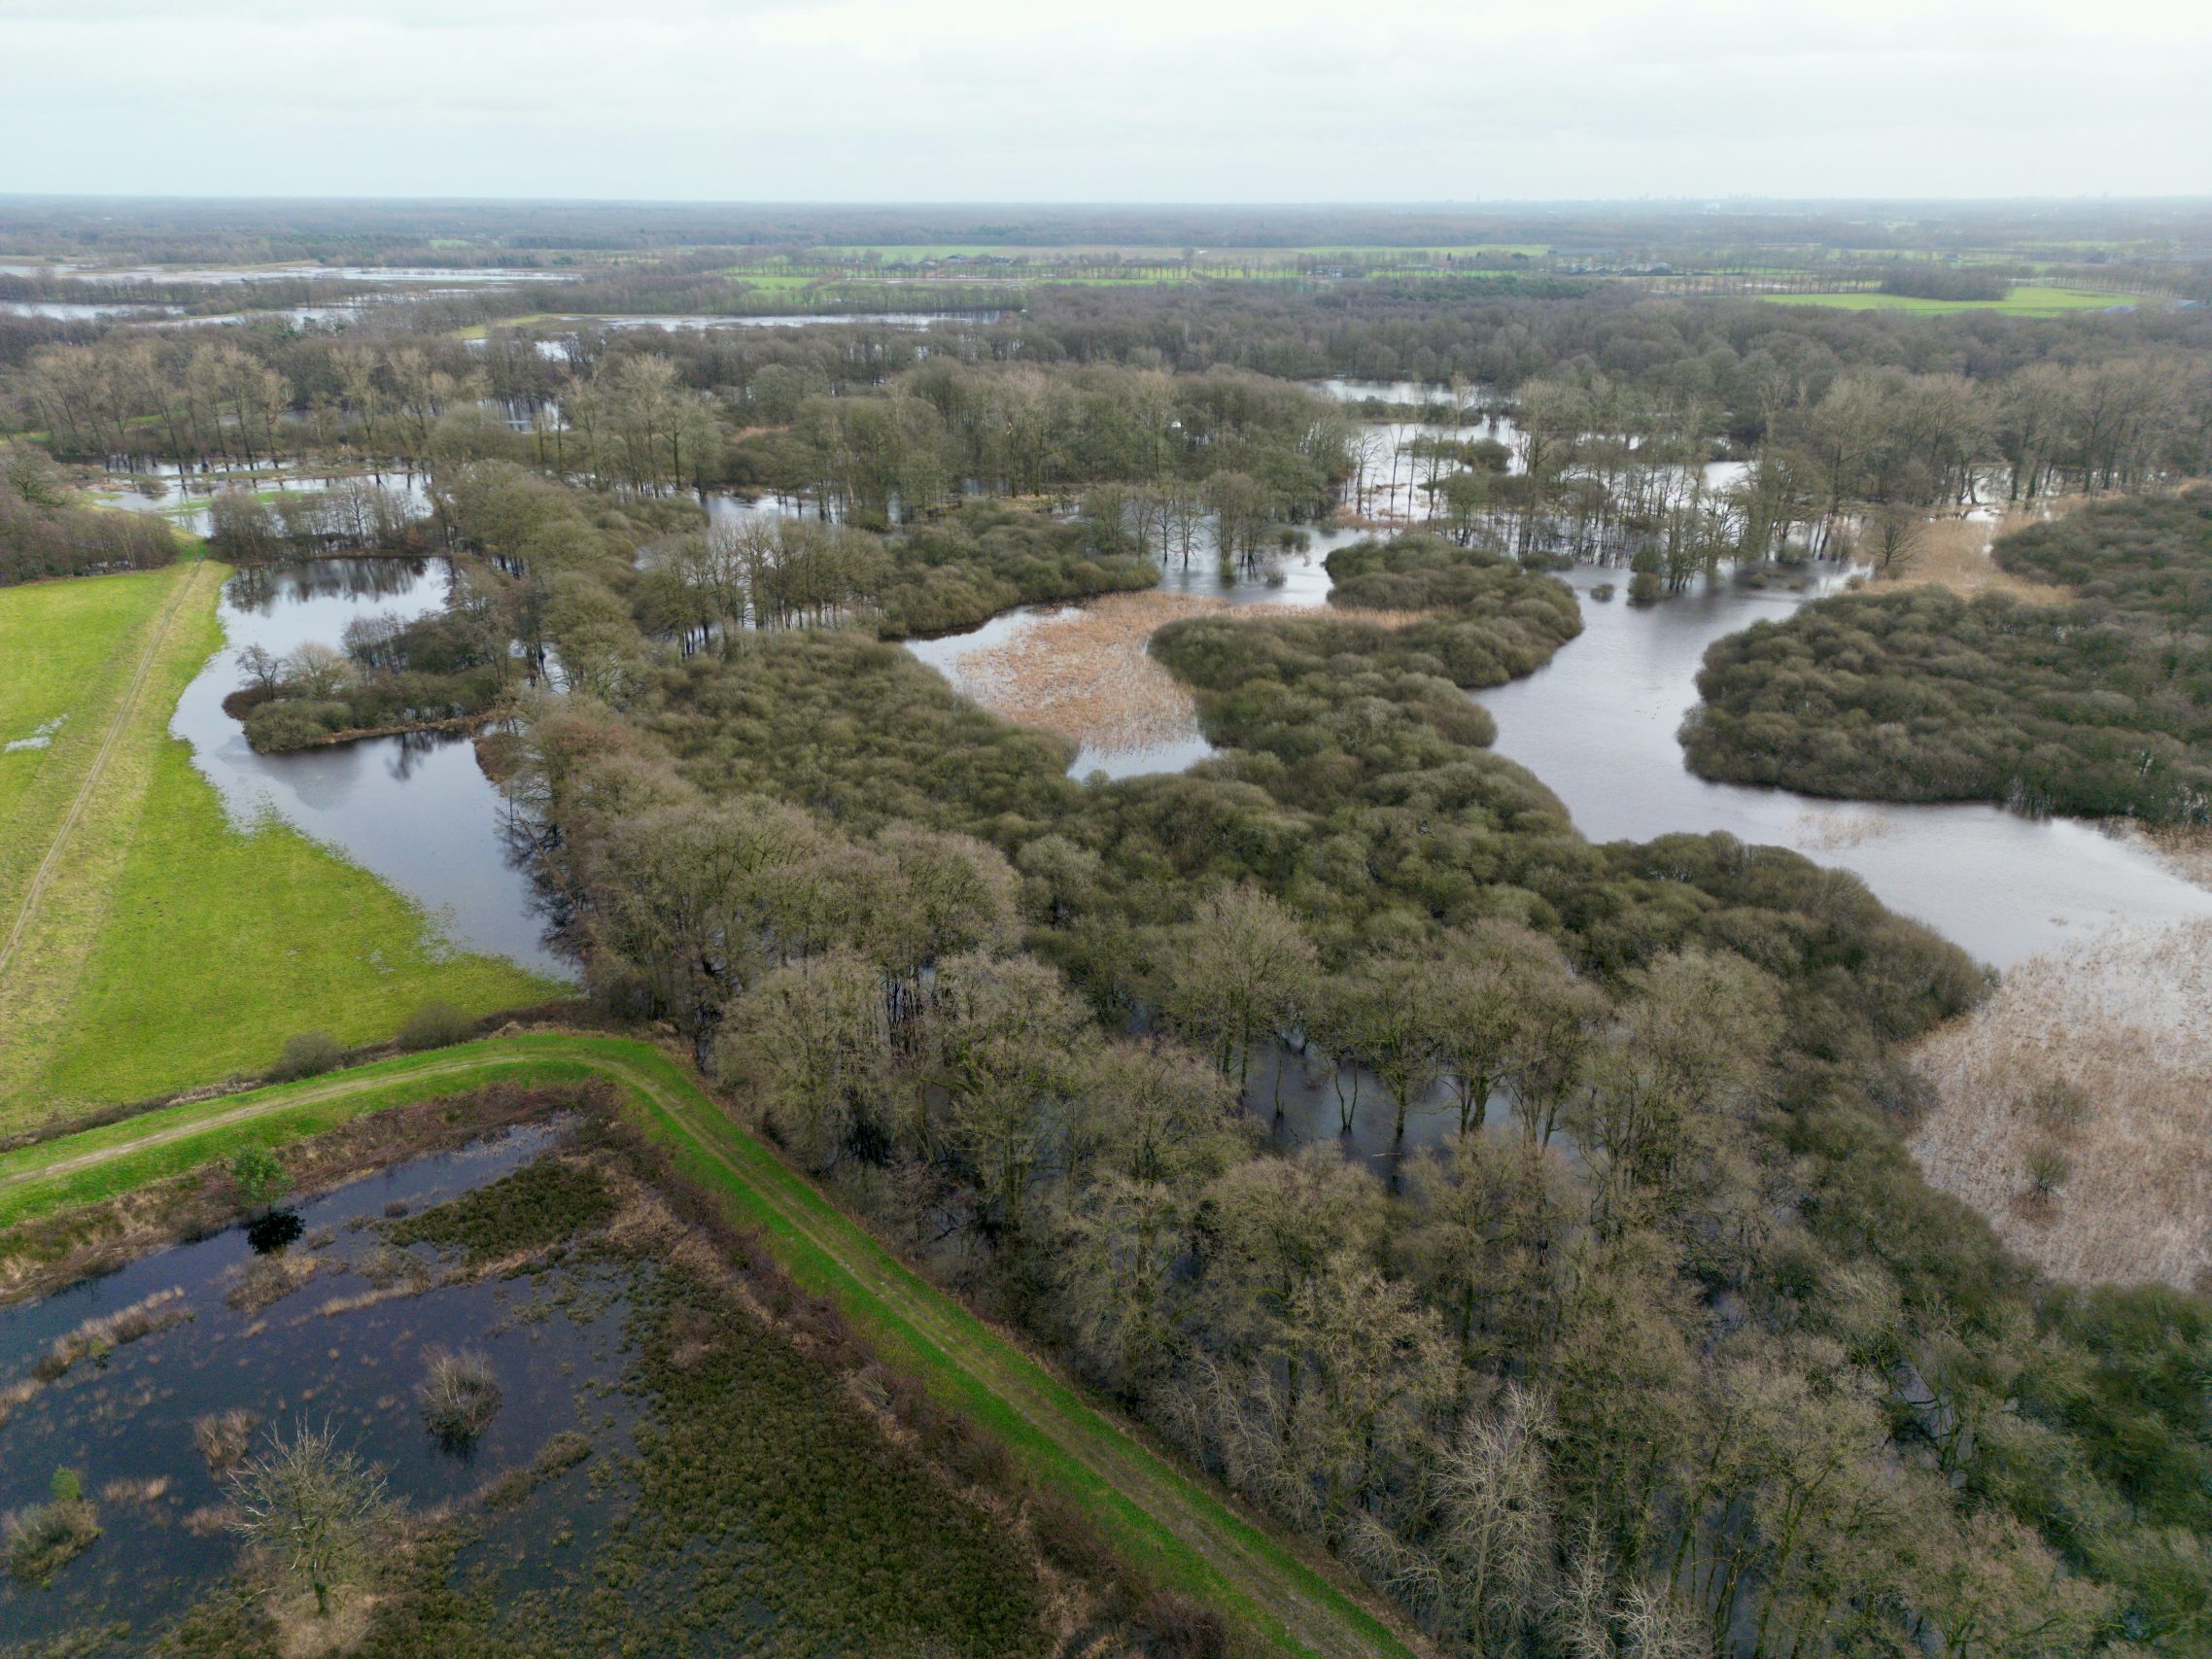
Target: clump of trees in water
[2095, 706]
[722, 586]
[1646, 1346]
[450, 670]
[350, 515]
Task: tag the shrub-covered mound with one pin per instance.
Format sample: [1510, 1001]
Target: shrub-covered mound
[2099, 707]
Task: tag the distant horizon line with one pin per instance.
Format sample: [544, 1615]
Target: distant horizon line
[1314, 204]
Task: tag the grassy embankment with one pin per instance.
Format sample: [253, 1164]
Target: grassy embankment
[1172, 1526]
[147, 942]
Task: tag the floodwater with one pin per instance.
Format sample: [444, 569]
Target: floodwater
[416, 810]
[1296, 579]
[81, 311]
[554, 1341]
[556, 347]
[216, 276]
[182, 495]
[694, 322]
[1598, 725]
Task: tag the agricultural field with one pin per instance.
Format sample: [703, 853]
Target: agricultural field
[150, 942]
[2027, 301]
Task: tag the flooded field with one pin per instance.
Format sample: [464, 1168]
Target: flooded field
[220, 276]
[127, 1417]
[562, 1387]
[185, 495]
[83, 311]
[416, 809]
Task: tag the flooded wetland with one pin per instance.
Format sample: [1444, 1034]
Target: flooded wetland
[655, 1439]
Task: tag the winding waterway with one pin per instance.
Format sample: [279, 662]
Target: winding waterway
[1598, 725]
[416, 810]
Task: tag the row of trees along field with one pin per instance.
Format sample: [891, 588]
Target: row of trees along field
[1669, 1350]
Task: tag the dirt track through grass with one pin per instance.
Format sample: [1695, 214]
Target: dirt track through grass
[1166, 1521]
[169, 944]
[125, 706]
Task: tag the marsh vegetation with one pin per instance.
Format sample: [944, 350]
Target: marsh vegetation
[1594, 1304]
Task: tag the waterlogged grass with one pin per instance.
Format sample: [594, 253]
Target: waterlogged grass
[173, 948]
[1170, 1525]
[537, 1205]
[2028, 300]
[120, 1157]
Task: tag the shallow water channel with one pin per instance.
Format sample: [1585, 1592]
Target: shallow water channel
[416, 810]
[123, 1418]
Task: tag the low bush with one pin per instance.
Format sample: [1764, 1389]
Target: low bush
[308, 1053]
[222, 1437]
[459, 1397]
[436, 1026]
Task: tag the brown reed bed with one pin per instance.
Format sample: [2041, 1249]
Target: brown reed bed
[1955, 554]
[2075, 1108]
[2184, 849]
[1086, 673]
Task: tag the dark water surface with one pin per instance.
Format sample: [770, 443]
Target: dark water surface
[554, 1341]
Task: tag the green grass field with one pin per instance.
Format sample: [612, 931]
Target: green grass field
[69, 648]
[2030, 301]
[169, 948]
[1174, 1526]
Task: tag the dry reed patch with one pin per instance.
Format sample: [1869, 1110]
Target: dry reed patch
[2184, 849]
[1084, 674]
[1831, 831]
[1955, 554]
[1362, 613]
[2124, 1019]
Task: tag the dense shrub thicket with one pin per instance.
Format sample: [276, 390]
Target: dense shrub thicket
[2100, 706]
[1694, 1363]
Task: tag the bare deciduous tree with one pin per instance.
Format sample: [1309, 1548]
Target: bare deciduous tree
[314, 1504]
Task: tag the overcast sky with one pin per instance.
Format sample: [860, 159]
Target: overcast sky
[1149, 100]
